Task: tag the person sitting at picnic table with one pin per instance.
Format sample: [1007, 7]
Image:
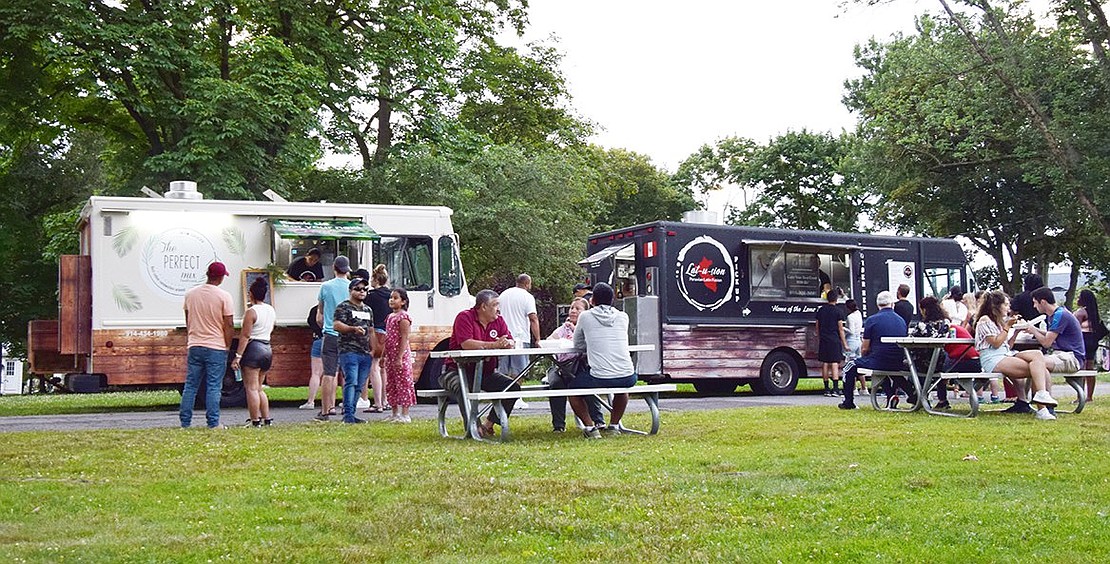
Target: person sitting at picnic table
[561, 373]
[964, 358]
[1064, 335]
[934, 324]
[480, 327]
[877, 355]
[994, 341]
[602, 333]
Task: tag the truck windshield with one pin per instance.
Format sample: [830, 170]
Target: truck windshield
[941, 279]
[450, 267]
[408, 261]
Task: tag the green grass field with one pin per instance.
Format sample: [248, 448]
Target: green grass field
[781, 484]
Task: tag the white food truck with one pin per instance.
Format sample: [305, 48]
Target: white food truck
[120, 320]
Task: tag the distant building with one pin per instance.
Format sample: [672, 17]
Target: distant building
[11, 374]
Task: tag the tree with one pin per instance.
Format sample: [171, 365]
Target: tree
[629, 190]
[950, 152]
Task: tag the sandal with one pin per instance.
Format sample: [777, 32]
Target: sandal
[373, 409]
[332, 412]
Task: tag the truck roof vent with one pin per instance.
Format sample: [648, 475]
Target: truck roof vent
[184, 190]
[701, 216]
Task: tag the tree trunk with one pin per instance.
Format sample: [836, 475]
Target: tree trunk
[1073, 283]
[385, 114]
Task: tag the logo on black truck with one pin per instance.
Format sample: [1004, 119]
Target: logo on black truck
[706, 276]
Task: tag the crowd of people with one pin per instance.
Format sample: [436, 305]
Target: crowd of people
[1066, 343]
[361, 329]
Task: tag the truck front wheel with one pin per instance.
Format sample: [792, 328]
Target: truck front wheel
[778, 376]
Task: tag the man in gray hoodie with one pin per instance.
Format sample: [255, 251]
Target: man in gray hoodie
[602, 333]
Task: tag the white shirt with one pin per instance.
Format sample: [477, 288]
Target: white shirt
[855, 324]
[954, 311]
[264, 317]
[516, 305]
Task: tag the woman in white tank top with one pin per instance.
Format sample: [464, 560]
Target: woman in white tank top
[254, 354]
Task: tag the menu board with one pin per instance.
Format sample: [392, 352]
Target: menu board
[802, 278]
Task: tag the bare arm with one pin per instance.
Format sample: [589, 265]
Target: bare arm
[474, 344]
[840, 329]
[320, 313]
[229, 330]
[534, 326]
[403, 337]
[244, 335]
[865, 347]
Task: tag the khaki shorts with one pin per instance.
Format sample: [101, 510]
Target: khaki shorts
[1065, 362]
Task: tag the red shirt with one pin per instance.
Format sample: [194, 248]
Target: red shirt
[468, 327]
[954, 351]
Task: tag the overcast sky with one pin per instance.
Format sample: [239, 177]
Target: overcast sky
[663, 78]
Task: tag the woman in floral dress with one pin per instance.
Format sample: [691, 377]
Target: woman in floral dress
[397, 358]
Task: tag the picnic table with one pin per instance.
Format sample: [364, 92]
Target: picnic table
[972, 382]
[473, 397]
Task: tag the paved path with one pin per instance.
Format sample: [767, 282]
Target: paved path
[291, 414]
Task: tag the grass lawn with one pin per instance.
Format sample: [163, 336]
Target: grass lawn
[787, 484]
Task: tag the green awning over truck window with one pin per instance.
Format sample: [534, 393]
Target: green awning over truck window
[322, 229]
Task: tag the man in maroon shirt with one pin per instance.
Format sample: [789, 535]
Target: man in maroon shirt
[480, 327]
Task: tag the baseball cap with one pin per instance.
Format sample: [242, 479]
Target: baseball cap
[217, 269]
[342, 264]
[581, 286]
[357, 282]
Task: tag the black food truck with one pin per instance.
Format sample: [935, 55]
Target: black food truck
[727, 306]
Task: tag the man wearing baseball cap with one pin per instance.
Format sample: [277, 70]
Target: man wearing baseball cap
[208, 312]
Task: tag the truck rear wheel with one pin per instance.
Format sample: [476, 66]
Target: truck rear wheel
[778, 376]
[716, 386]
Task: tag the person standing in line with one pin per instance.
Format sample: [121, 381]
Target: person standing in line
[316, 363]
[903, 307]
[364, 392]
[254, 354]
[853, 334]
[378, 298]
[518, 308]
[208, 322]
[332, 293]
[397, 358]
[354, 321]
[1093, 331]
[831, 343]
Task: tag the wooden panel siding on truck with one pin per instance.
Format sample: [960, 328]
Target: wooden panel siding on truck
[75, 292]
[727, 352]
[42, 350]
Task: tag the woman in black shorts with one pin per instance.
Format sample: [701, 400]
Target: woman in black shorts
[254, 354]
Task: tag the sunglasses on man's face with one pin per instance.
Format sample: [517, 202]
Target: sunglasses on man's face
[359, 289]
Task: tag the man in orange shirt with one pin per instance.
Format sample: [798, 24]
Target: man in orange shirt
[208, 312]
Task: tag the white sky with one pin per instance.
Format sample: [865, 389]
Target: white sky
[664, 78]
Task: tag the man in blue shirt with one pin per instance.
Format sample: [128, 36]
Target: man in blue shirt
[877, 355]
[332, 293]
[1064, 335]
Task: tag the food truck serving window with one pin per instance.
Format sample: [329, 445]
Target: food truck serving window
[781, 272]
[293, 238]
[940, 280]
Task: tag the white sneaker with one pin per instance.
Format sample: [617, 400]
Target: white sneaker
[362, 404]
[404, 419]
[1045, 415]
[521, 405]
[1044, 398]
[309, 405]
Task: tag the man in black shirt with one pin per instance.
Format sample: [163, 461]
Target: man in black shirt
[1023, 302]
[903, 307]
[307, 268]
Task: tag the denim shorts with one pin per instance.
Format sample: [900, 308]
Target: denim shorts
[317, 347]
[587, 380]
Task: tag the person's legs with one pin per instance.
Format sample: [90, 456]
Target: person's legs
[215, 367]
[193, 375]
[317, 371]
[350, 364]
[558, 405]
[330, 358]
[620, 402]
[834, 371]
[263, 399]
[850, 375]
[252, 383]
[377, 381]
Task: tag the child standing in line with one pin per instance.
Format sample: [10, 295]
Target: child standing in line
[831, 342]
[397, 358]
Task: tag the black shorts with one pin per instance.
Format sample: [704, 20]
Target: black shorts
[257, 355]
[329, 353]
[830, 351]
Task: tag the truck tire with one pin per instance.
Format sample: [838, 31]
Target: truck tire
[716, 386]
[779, 374]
